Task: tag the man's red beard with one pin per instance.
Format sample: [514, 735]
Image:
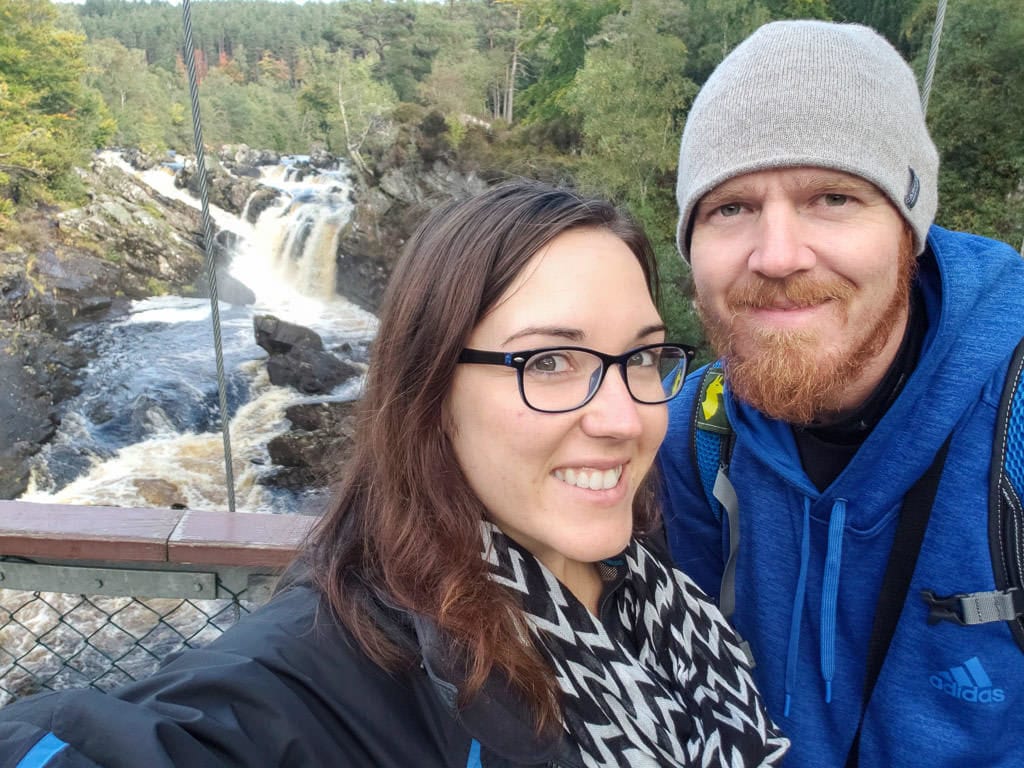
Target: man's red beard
[787, 374]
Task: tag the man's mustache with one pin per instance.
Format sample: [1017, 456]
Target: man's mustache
[795, 291]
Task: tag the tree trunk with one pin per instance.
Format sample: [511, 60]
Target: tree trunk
[351, 144]
[510, 85]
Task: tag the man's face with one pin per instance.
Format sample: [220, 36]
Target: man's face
[803, 278]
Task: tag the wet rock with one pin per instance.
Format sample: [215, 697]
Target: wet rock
[234, 291]
[311, 371]
[312, 452]
[384, 216]
[138, 159]
[361, 278]
[224, 189]
[279, 337]
[297, 357]
[244, 155]
[261, 199]
[322, 159]
[149, 241]
[157, 492]
[229, 289]
[37, 373]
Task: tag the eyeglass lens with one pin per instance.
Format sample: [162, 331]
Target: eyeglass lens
[563, 379]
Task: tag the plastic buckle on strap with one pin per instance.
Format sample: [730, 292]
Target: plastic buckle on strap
[975, 607]
[943, 608]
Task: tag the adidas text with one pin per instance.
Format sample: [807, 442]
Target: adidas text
[968, 682]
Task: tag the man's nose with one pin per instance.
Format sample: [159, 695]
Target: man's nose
[780, 247]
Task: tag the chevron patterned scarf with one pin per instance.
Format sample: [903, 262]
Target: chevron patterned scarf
[659, 681]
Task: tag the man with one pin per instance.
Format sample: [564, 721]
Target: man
[857, 340]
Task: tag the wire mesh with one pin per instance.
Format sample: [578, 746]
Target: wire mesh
[53, 641]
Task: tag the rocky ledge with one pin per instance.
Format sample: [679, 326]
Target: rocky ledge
[62, 269]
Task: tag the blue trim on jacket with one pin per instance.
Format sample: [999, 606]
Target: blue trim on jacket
[43, 752]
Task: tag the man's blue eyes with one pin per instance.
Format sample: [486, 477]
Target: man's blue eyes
[836, 199]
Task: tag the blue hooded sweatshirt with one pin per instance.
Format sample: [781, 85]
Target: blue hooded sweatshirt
[811, 563]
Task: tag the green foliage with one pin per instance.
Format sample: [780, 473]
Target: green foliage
[139, 98]
[630, 145]
[712, 28]
[975, 114]
[456, 130]
[556, 47]
[458, 83]
[675, 302]
[588, 92]
[889, 17]
[49, 120]
[799, 9]
[631, 142]
[350, 109]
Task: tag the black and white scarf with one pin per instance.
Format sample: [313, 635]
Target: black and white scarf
[659, 681]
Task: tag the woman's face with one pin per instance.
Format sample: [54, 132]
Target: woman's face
[585, 288]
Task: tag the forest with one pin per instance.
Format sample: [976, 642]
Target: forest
[589, 92]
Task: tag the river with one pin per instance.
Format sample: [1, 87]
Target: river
[145, 428]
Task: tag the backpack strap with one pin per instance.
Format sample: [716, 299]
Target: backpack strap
[711, 432]
[1005, 522]
[713, 440]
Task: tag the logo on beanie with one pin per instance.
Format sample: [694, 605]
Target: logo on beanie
[913, 189]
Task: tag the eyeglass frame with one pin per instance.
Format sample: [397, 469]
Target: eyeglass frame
[518, 361]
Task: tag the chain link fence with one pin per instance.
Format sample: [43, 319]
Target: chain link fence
[73, 637]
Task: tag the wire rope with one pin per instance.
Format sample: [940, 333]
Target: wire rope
[211, 271]
[933, 55]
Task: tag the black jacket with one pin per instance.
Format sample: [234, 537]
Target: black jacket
[285, 688]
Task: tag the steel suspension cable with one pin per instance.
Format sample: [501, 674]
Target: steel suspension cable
[933, 55]
[211, 271]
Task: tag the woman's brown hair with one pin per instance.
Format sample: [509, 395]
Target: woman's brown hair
[405, 521]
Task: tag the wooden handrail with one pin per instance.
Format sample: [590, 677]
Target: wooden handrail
[139, 535]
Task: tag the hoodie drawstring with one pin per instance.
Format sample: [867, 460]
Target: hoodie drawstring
[793, 650]
[829, 600]
[829, 594]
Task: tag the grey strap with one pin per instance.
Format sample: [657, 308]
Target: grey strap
[975, 607]
[985, 607]
[726, 496]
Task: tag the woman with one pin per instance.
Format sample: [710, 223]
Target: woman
[480, 593]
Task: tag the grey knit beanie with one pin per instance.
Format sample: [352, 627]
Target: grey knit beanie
[811, 93]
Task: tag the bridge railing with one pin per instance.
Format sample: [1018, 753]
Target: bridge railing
[98, 596]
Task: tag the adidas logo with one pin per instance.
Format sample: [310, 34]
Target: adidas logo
[968, 682]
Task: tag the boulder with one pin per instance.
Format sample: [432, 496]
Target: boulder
[311, 371]
[138, 159]
[224, 189]
[261, 199]
[157, 492]
[297, 357]
[311, 453]
[37, 373]
[279, 337]
[322, 159]
[232, 290]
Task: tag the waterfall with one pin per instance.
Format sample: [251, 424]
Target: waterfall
[144, 430]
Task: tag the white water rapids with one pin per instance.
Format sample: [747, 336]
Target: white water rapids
[146, 428]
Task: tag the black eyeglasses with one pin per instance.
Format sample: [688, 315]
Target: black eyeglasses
[561, 379]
